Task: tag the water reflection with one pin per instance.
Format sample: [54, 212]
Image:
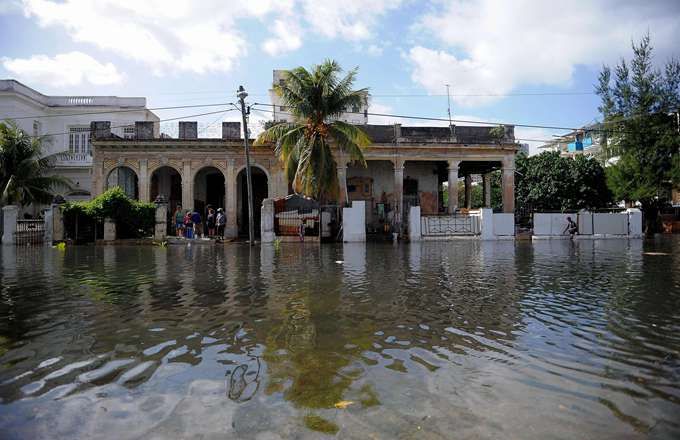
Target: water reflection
[411, 341]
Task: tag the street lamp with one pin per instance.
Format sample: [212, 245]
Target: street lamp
[242, 95]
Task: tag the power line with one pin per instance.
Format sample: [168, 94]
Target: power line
[123, 111]
[424, 118]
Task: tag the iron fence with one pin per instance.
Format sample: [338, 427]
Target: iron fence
[30, 232]
[444, 225]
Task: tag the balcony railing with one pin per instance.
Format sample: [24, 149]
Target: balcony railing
[73, 159]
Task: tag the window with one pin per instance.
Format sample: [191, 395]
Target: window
[36, 128]
[129, 132]
[79, 140]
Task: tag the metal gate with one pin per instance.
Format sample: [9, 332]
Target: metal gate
[290, 222]
[30, 232]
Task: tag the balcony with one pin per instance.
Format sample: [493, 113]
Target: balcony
[73, 160]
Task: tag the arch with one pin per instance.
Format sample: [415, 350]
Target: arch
[166, 180]
[209, 188]
[261, 190]
[124, 177]
[260, 167]
[165, 165]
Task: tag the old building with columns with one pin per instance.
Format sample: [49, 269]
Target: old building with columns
[406, 166]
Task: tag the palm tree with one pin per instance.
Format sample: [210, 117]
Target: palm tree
[316, 99]
[23, 168]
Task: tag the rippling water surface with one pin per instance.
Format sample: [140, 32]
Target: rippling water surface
[436, 340]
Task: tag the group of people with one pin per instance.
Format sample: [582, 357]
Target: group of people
[190, 224]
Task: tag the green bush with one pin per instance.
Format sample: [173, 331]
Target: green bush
[133, 219]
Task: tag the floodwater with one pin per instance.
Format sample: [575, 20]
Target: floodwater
[551, 339]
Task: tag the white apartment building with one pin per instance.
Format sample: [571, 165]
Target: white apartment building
[64, 124]
[357, 115]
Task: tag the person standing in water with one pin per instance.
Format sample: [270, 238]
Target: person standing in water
[179, 221]
[571, 227]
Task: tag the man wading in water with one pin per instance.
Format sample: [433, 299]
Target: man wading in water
[571, 227]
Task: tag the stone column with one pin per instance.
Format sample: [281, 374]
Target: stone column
[468, 191]
[144, 180]
[9, 228]
[342, 183]
[230, 188]
[509, 185]
[486, 179]
[98, 183]
[453, 185]
[187, 190]
[398, 192]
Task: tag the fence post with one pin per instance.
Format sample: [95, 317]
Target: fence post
[49, 218]
[109, 229]
[486, 224]
[9, 218]
[414, 232]
[161, 229]
[634, 222]
[267, 233]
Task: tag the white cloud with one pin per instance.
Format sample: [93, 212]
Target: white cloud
[165, 35]
[348, 19]
[287, 37]
[67, 69]
[492, 46]
[200, 37]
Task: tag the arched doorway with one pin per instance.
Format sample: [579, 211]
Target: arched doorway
[167, 181]
[126, 178]
[208, 190]
[260, 192]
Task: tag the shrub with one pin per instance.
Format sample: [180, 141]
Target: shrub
[133, 219]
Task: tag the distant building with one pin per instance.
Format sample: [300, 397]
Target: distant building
[523, 148]
[585, 140]
[356, 115]
[64, 121]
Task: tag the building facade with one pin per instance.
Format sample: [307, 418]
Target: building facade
[64, 124]
[405, 166]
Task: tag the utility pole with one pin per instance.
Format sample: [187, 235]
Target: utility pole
[251, 229]
[448, 101]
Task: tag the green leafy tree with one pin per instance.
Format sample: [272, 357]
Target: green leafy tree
[24, 170]
[550, 182]
[315, 99]
[639, 105]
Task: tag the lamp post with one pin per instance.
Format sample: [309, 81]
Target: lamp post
[241, 94]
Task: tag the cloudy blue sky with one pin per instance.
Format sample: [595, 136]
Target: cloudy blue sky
[178, 52]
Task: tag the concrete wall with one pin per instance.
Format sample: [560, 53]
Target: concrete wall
[503, 224]
[610, 224]
[354, 222]
[551, 224]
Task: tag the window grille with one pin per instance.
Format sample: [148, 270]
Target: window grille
[129, 132]
[79, 140]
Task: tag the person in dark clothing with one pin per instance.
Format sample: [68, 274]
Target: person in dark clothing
[198, 226]
[221, 222]
[210, 222]
[571, 227]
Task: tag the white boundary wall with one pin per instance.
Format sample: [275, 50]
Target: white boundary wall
[487, 225]
[627, 224]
